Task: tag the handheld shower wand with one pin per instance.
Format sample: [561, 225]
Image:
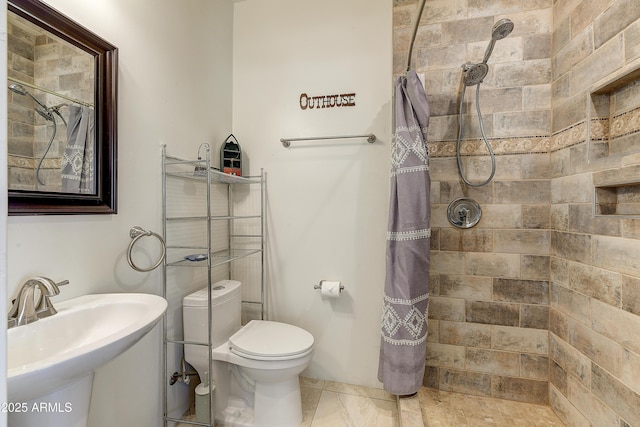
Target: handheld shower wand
[45, 112]
[20, 90]
[474, 74]
[42, 109]
[501, 29]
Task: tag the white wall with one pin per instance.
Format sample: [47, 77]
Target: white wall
[174, 89]
[327, 201]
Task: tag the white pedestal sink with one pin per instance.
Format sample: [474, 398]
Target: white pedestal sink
[51, 361]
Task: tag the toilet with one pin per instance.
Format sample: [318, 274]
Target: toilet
[255, 367]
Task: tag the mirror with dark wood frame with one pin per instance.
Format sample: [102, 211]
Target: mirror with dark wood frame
[62, 131]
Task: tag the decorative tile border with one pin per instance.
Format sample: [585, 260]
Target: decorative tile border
[31, 163]
[20, 162]
[570, 136]
[500, 146]
[625, 124]
[601, 130]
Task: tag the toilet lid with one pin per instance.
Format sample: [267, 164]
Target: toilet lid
[263, 339]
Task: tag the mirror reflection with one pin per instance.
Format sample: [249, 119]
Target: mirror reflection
[51, 128]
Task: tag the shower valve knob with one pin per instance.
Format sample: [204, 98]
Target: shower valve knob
[464, 213]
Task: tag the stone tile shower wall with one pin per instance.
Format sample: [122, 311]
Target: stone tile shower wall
[44, 61]
[594, 339]
[22, 117]
[541, 301]
[488, 327]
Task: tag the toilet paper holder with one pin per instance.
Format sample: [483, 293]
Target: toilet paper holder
[319, 285]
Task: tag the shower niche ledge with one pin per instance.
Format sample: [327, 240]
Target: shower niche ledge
[613, 115]
[617, 192]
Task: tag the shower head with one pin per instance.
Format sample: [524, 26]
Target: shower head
[46, 113]
[20, 90]
[474, 73]
[501, 29]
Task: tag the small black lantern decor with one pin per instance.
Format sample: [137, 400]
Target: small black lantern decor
[231, 156]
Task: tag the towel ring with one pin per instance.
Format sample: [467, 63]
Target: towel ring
[136, 233]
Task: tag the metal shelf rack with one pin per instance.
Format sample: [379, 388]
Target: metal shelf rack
[211, 221]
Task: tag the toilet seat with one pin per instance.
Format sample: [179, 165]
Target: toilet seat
[268, 340]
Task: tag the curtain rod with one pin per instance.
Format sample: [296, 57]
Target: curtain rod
[68, 98]
[286, 142]
[416, 23]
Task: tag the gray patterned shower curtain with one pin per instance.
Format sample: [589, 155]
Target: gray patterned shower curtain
[406, 292]
[78, 160]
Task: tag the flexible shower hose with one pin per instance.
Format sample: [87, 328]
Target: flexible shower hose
[53, 135]
[484, 138]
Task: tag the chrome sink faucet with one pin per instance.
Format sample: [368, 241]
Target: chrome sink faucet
[31, 305]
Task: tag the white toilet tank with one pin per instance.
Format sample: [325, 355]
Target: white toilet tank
[226, 305]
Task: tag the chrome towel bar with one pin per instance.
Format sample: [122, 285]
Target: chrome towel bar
[286, 142]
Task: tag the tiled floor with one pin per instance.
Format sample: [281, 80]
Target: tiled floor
[333, 404]
[445, 409]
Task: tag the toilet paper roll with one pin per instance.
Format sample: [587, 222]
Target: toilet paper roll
[330, 289]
